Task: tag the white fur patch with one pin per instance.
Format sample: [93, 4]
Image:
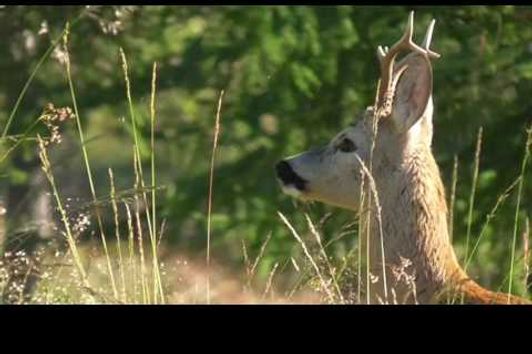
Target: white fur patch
[291, 190]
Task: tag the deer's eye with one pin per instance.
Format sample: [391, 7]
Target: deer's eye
[346, 145]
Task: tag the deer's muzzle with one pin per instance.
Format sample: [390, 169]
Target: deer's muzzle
[288, 177]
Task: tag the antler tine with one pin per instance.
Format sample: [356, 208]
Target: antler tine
[428, 39]
[387, 58]
[385, 54]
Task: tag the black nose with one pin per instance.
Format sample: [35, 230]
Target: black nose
[287, 175]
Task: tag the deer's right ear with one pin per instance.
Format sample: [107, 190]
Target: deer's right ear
[412, 92]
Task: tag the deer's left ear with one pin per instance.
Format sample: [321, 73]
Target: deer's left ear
[412, 92]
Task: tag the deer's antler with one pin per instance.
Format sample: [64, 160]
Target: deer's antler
[387, 58]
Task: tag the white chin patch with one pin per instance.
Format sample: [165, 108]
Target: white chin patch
[291, 190]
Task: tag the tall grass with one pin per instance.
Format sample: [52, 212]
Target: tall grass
[526, 254]
[130, 278]
[500, 200]
[157, 284]
[133, 219]
[135, 274]
[211, 186]
[86, 159]
[136, 281]
[47, 169]
[121, 270]
[472, 194]
[324, 255]
[158, 294]
[518, 205]
[325, 285]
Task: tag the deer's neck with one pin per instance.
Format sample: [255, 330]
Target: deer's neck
[418, 256]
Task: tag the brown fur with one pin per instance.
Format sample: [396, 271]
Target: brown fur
[414, 214]
[415, 255]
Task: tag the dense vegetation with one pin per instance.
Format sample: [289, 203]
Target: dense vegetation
[292, 76]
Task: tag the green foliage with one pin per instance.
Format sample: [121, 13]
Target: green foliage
[293, 76]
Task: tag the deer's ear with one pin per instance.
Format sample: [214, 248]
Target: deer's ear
[412, 92]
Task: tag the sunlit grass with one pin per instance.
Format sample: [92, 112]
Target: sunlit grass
[134, 267]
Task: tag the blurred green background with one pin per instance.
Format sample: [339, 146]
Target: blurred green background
[293, 77]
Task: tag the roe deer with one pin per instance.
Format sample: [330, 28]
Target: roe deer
[389, 151]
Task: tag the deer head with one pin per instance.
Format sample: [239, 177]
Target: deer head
[391, 144]
[401, 114]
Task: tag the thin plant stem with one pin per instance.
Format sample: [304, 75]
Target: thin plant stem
[452, 198]
[473, 190]
[47, 169]
[518, 206]
[143, 282]
[268, 287]
[372, 188]
[28, 82]
[138, 163]
[131, 251]
[361, 239]
[157, 284]
[489, 217]
[211, 183]
[19, 140]
[326, 258]
[308, 255]
[86, 160]
[253, 267]
[526, 253]
[117, 234]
